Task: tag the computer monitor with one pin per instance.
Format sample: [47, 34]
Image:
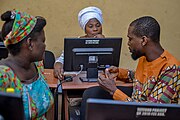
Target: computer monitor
[103, 109]
[11, 106]
[93, 53]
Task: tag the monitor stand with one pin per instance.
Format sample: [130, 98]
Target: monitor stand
[92, 75]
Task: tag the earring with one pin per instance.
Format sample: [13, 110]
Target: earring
[30, 48]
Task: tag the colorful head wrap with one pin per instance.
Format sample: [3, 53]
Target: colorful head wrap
[22, 26]
[88, 13]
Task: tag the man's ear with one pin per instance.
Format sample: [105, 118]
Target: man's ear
[144, 40]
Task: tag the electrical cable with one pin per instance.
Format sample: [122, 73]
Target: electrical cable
[60, 83]
[69, 79]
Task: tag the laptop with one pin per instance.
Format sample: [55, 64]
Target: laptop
[103, 109]
[11, 106]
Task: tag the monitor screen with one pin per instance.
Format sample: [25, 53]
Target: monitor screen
[92, 53]
[11, 106]
[103, 109]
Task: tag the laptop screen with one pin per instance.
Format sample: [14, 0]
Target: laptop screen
[101, 109]
[11, 106]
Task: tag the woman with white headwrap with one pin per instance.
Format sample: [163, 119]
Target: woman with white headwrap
[90, 20]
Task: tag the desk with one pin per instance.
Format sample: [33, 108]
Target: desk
[77, 85]
[69, 87]
[51, 80]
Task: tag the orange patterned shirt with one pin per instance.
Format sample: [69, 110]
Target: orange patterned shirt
[157, 81]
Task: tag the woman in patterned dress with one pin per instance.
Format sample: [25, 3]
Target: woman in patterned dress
[22, 70]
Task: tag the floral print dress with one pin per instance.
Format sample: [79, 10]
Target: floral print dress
[37, 97]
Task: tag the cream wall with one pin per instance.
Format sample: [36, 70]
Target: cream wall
[62, 21]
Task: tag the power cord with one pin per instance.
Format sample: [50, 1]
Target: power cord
[57, 91]
[81, 66]
[69, 78]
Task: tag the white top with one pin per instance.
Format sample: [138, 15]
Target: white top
[61, 58]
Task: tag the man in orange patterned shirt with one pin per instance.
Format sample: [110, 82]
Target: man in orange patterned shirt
[157, 76]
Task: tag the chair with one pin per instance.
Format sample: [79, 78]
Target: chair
[49, 60]
[3, 51]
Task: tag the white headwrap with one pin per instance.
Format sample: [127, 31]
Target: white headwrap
[88, 13]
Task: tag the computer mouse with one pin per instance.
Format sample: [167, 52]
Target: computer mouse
[68, 78]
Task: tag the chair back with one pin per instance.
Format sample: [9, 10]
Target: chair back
[49, 60]
[3, 51]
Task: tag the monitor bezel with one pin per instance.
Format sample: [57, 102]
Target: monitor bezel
[102, 109]
[68, 53]
[10, 105]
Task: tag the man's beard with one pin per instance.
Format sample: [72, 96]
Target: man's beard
[136, 54]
